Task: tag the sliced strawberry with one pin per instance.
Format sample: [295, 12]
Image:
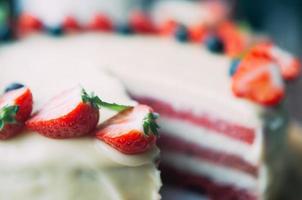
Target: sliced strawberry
[65, 116]
[141, 22]
[70, 24]
[234, 41]
[15, 108]
[28, 23]
[100, 22]
[198, 33]
[131, 131]
[290, 66]
[258, 79]
[168, 28]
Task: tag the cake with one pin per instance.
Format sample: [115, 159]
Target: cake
[74, 168]
[211, 130]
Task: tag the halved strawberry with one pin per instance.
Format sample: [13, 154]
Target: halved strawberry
[70, 24]
[66, 115]
[100, 22]
[140, 22]
[168, 27]
[28, 23]
[198, 33]
[258, 79]
[234, 41]
[15, 108]
[131, 131]
[290, 66]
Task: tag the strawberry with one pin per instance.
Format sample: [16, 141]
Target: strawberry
[28, 23]
[290, 66]
[198, 33]
[168, 28]
[258, 79]
[15, 107]
[65, 116]
[234, 41]
[131, 131]
[100, 22]
[70, 24]
[72, 113]
[141, 23]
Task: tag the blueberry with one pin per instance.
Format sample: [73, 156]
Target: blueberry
[234, 66]
[214, 44]
[124, 29]
[181, 33]
[13, 86]
[55, 30]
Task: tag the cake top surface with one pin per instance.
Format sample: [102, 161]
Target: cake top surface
[164, 66]
[53, 71]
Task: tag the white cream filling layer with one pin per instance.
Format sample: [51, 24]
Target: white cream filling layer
[220, 175]
[212, 140]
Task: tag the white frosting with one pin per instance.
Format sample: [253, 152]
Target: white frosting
[48, 70]
[57, 183]
[211, 140]
[219, 174]
[148, 66]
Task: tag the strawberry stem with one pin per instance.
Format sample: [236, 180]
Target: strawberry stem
[149, 124]
[97, 103]
[7, 115]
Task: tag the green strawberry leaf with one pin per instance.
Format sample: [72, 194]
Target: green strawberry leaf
[97, 103]
[149, 124]
[8, 115]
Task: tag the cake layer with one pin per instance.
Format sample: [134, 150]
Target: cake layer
[204, 120]
[80, 183]
[209, 139]
[170, 143]
[218, 174]
[204, 185]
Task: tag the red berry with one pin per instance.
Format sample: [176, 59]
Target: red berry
[65, 116]
[28, 23]
[125, 131]
[100, 22]
[70, 24]
[141, 23]
[22, 99]
[234, 41]
[258, 79]
[198, 33]
[168, 28]
[290, 66]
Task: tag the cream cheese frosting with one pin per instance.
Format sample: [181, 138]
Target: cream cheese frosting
[162, 66]
[36, 167]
